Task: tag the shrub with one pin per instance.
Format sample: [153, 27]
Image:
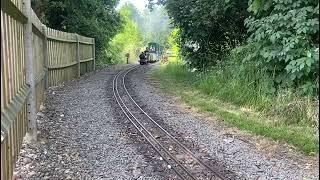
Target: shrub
[286, 33]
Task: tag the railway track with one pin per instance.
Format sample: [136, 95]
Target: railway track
[178, 157]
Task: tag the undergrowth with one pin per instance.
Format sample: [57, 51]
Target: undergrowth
[279, 114]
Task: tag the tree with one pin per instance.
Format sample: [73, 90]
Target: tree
[172, 41]
[92, 18]
[128, 40]
[209, 29]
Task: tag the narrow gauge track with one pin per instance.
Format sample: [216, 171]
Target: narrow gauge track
[183, 162]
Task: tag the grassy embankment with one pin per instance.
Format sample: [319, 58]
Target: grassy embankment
[233, 97]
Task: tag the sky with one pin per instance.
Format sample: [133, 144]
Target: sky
[140, 4]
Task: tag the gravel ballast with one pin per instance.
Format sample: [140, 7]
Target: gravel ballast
[84, 135]
[80, 137]
[239, 152]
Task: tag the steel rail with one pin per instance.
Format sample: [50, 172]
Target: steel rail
[155, 140]
[117, 97]
[213, 171]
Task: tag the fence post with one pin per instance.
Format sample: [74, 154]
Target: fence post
[94, 54]
[45, 55]
[30, 77]
[78, 54]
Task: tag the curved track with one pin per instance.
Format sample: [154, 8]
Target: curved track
[178, 157]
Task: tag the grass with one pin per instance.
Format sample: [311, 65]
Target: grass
[247, 107]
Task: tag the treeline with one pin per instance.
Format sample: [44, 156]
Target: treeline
[92, 18]
[139, 28]
[277, 37]
[129, 40]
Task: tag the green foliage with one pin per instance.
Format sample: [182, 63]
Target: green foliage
[138, 30]
[153, 3]
[172, 41]
[226, 79]
[285, 34]
[112, 55]
[209, 29]
[267, 75]
[244, 84]
[243, 95]
[260, 7]
[92, 18]
[287, 38]
[129, 40]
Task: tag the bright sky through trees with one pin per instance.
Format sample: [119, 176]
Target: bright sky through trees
[140, 4]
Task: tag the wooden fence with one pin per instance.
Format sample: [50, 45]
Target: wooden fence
[32, 59]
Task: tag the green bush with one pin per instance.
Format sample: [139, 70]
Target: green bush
[286, 33]
[112, 55]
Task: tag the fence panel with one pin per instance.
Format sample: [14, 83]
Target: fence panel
[55, 60]
[86, 54]
[13, 85]
[18, 4]
[62, 53]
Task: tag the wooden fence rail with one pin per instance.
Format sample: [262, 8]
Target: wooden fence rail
[32, 59]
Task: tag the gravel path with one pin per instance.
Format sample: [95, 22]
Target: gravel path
[237, 151]
[81, 137]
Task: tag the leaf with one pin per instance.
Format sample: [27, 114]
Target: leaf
[309, 61]
[301, 66]
[309, 54]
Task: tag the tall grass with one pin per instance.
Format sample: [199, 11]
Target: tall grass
[253, 88]
[283, 114]
[177, 69]
[244, 84]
